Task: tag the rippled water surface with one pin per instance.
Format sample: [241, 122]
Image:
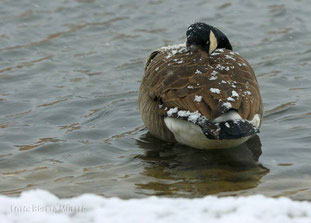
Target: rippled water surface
[69, 78]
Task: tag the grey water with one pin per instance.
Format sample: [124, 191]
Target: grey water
[70, 71]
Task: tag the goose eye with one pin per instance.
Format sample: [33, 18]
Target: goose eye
[207, 45]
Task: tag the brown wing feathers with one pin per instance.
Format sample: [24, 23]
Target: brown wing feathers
[222, 80]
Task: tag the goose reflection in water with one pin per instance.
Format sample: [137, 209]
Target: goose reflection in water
[181, 171]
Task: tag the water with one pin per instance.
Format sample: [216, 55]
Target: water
[70, 73]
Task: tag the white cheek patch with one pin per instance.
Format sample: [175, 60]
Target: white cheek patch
[213, 42]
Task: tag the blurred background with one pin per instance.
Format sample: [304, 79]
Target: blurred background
[70, 72]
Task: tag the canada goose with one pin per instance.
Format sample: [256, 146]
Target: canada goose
[201, 93]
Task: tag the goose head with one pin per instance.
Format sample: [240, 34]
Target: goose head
[207, 37]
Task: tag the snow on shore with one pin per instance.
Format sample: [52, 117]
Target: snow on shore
[42, 206]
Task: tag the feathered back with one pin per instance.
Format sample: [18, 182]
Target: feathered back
[196, 81]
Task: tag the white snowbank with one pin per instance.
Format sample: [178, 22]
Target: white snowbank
[42, 206]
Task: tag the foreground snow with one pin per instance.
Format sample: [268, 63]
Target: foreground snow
[42, 206]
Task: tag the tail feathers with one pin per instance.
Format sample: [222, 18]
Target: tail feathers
[236, 129]
[231, 129]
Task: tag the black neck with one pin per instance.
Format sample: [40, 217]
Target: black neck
[223, 41]
[198, 34]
